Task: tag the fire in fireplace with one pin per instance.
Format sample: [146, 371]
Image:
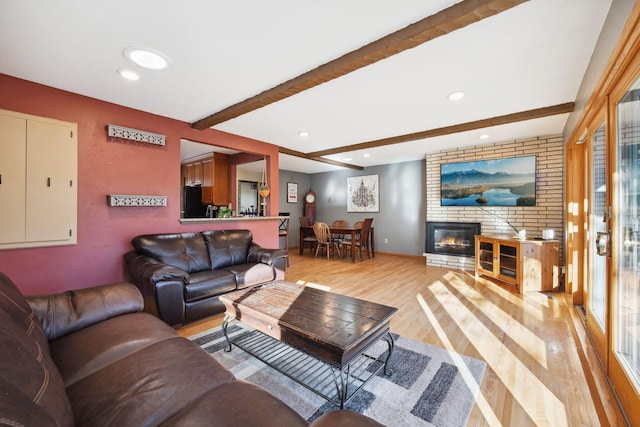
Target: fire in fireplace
[451, 238]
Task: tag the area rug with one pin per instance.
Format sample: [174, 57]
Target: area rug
[427, 385]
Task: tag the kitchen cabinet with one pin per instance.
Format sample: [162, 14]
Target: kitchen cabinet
[38, 174]
[193, 172]
[212, 173]
[530, 265]
[215, 187]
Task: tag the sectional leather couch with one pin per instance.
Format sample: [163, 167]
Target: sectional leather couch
[90, 357]
[182, 275]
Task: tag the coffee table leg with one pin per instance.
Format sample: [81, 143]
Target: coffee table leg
[342, 383]
[389, 339]
[225, 323]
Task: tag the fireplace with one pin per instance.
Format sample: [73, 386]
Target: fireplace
[451, 238]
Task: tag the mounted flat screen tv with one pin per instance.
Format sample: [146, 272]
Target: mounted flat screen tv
[500, 182]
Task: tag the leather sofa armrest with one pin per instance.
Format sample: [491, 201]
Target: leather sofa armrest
[63, 313]
[145, 269]
[162, 286]
[272, 257]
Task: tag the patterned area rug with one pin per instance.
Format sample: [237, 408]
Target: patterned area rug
[427, 385]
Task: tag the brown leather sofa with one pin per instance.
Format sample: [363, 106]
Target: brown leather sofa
[182, 275]
[91, 358]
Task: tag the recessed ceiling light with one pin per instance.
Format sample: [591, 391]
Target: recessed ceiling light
[347, 159]
[365, 155]
[146, 58]
[456, 96]
[484, 136]
[128, 75]
[303, 133]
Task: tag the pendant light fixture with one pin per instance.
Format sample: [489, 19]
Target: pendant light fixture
[264, 187]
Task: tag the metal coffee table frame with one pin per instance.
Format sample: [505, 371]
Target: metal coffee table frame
[336, 384]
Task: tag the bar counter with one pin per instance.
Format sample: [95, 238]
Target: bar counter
[232, 219]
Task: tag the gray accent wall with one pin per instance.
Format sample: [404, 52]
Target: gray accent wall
[402, 204]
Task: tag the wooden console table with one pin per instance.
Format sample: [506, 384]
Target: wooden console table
[530, 265]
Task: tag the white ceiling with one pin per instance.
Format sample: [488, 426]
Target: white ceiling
[531, 56]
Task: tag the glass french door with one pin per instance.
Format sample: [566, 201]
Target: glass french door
[596, 294]
[624, 358]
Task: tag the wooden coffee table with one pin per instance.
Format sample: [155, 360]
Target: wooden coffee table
[317, 338]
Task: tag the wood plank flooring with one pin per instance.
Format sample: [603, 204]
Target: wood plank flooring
[534, 344]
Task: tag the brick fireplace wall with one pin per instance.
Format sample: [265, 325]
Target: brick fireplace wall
[547, 214]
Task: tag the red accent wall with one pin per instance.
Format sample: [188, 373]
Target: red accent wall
[106, 166]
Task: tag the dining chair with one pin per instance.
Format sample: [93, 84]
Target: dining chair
[283, 230]
[305, 221]
[357, 224]
[307, 241]
[323, 234]
[362, 241]
[339, 223]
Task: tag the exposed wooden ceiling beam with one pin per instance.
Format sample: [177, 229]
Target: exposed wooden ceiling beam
[337, 163]
[447, 130]
[302, 155]
[450, 19]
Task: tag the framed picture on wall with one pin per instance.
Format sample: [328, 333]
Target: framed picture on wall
[292, 192]
[508, 181]
[363, 194]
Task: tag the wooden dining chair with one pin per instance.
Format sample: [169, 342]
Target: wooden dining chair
[357, 224]
[305, 221]
[283, 230]
[307, 241]
[362, 241]
[340, 223]
[323, 234]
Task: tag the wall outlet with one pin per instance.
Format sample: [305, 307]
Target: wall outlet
[386, 240]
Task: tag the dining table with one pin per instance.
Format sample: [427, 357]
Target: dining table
[306, 231]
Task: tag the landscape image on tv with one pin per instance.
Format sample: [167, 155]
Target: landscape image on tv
[500, 182]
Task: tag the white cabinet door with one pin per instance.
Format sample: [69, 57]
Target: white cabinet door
[38, 174]
[13, 133]
[50, 182]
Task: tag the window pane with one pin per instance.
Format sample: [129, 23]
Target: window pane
[627, 344]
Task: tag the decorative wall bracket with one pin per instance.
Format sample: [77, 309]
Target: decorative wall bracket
[128, 200]
[115, 131]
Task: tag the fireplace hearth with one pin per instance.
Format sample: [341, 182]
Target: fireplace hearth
[451, 238]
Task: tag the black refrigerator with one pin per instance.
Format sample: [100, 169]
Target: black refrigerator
[192, 199]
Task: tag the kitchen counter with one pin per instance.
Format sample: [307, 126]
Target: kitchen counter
[234, 218]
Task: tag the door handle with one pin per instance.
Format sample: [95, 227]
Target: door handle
[602, 243]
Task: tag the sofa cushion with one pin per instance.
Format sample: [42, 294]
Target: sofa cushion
[15, 310]
[23, 345]
[208, 283]
[237, 403]
[251, 274]
[227, 247]
[186, 251]
[84, 352]
[146, 387]
[19, 409]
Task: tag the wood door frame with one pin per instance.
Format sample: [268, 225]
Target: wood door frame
[574, 217]
[599, 338]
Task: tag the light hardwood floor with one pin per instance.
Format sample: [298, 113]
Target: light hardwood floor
[534, 344]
